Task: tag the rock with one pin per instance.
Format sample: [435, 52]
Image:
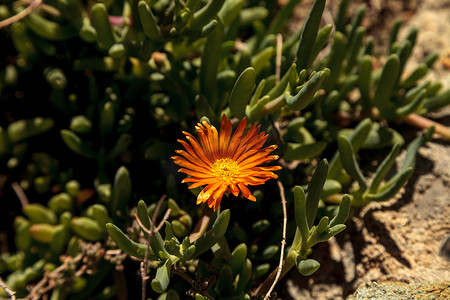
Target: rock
[399, 290]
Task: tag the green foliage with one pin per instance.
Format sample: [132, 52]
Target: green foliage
[94, 96]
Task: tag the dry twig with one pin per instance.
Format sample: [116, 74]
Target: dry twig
[191, 281]
[202, 224]
[422, 122]
[278, 57]
[148, 231]
[11, 294]
[44, 285]
[144, 263]
[20, 194]
[283, 240]
[29, 9]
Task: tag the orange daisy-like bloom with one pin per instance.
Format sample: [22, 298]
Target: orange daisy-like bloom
[225, 163]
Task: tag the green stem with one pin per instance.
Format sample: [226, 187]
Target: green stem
[274, 105]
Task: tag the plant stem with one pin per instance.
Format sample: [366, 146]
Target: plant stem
[191, 281]
[202, 224]
[22, 14]
[273, 105]
[422, 122]
[144, 263]
[11, 293]
[285, 265]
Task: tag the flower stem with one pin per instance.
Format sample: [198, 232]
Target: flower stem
[202, 224]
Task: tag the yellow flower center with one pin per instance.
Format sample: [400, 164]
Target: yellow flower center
[225, 169]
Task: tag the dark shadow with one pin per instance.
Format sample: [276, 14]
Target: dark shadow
[353, 235]
[423, 167]
[330, 271]
[383, 237]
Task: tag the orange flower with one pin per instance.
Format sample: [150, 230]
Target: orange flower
[224, 163]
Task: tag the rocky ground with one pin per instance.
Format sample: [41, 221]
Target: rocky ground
[406, 239]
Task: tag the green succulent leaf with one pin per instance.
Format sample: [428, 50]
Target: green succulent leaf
[411, 107]
[206, 13]
[438, 101]
[212, 236]
[349, 162]
[296, 151]
[38, 213]
[162, 279]
[288, 77]
[100, 21]
[315, 187]
[335, 60]
[306, 94]
[321, 40]
[210, 63]
[238, 257]
[392, 187]
[384, 168]
[244, 276]
[125, 243]
[342, 15]
[121, 192]
[386, 86]
[307, 267]
[23, 129]
[225, 281]
[87, 229]
[300, 212]
[330, 187]
[343, 211]
[75, 144]
[242, 92]
[309, 34]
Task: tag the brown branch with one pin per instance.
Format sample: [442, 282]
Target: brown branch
[40, 288]
[202, 224]
[144, 263]
[11, 293]
[20, 194]
[191, 281]
[278, 57]
[50, 10]
[160, 225]
[22, 14]
[283, 240]
[422, 122]
[277, 130]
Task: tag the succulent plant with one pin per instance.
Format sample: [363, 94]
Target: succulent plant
[94, 95]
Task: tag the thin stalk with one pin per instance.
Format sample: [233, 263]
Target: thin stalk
[422, 122]
[283, 241]
[202, 224]
[191, 281]
[288, 263]
[273, 105]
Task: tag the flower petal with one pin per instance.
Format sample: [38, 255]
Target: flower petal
[224, 135]
[246, 192]
[235, 139]
[182, 162]
[234, 190]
